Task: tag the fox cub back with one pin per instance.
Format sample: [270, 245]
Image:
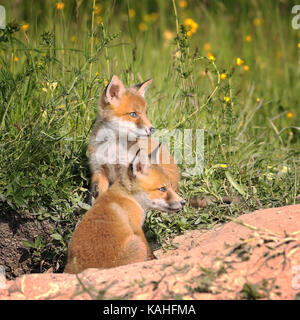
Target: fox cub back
[110, 234]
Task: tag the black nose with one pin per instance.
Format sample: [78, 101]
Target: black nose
[152, 130]
[182, 202]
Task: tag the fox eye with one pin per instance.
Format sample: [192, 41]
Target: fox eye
[162, 189]
[133, 114]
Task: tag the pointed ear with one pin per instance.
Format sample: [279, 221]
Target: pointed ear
[154, 155]
[141, 88]
[114, 91]
[137, 166]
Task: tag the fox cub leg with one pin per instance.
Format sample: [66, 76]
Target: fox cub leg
[99, 184]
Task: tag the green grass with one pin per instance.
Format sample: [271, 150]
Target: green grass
[49, 96]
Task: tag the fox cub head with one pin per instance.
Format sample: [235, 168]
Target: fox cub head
[124, 110]
[152, 186]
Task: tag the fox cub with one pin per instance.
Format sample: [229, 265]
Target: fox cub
[121, 128]
[110, 234]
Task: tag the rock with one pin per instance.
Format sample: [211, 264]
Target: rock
[252, 257]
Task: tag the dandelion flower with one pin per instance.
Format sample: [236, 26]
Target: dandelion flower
[239, 61]
[183, 4]
[131, 13]
[60, 6]
[290, 115]
[246, 68]
[223, 76]
[226, 99]
[248, 38]
[25, 27]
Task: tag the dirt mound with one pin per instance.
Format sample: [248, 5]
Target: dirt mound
[255, 256]
[14, 229]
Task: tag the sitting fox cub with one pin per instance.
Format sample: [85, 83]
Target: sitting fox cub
[110, 233]
[122, 125]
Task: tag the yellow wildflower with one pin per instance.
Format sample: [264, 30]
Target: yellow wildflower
[257, 99]
[248, 38]
[60, 6]
[97, 9]
[239, 61]
[298, 45]
[16, 59]
[73, 38]
[189, 33]
[226, 99]
[131, 13]
[188, 22]
[223, 76]
[168, 35]
[183, 4]
[257, 22]
[106, 82]
[207, 46]
[290, 115]
[147, 17]
[210, 56]
[143, 27]
[223, 165]
[246, 68]
[154, 16]
[25, 27]
[96, 74]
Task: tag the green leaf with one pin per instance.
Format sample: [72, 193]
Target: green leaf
[237, 186]
[56, 236]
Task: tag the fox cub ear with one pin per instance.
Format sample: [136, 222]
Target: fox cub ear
[139, 164]
[141, 88]
[114, 90]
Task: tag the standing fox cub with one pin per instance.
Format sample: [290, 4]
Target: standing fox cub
[121, 128]
[110, 233]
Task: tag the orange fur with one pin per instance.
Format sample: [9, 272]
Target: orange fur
[110, 234]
